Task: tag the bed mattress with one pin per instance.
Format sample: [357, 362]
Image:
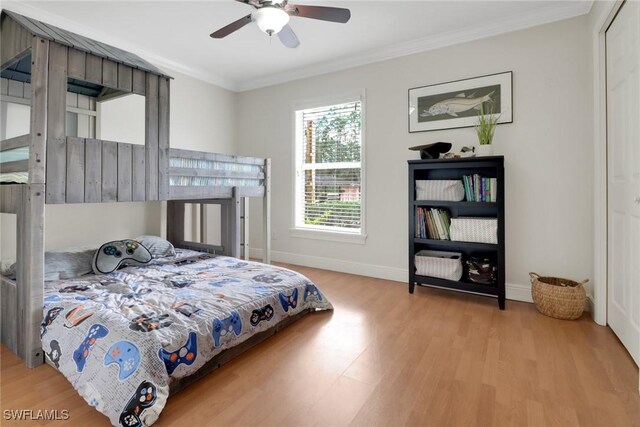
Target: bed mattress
[121, 338]
[13, 155]
[14, 178]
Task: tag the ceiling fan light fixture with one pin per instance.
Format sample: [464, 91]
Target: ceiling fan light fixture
[270, 19]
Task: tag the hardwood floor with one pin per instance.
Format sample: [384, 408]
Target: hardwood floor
[385, 357]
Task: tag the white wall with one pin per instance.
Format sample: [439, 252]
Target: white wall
[128, 109]
[201, 119]
[548, 152]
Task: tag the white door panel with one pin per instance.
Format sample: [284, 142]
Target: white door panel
[623, 157]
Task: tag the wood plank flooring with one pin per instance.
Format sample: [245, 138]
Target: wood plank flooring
[385, 357]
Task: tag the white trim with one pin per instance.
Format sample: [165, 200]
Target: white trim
[515, 292]
[336, 165]
[307, 104]
[328, 100]
[316, 234]
[599, 287]
[564, 10]
[340, 265]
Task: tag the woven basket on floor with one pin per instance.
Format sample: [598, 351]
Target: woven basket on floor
[557, 297]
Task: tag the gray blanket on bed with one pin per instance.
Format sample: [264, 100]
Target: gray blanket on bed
[119, 338]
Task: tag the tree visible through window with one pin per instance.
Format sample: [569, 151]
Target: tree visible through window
[329, 167]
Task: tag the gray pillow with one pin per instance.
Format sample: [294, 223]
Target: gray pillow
[67, 264]
[159, 247]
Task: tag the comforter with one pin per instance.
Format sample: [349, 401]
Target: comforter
[120, 338]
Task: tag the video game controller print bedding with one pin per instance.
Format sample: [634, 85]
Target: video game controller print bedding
[120, 338]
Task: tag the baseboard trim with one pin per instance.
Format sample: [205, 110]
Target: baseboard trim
[514, 292]
[360, 269]
[518, 292]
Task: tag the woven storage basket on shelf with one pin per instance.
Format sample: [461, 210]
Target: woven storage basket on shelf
[437, 189]
[479, 230]
[557, 297]
[444, 265]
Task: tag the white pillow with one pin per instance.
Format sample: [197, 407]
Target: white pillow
[157, 246]
[67, 264]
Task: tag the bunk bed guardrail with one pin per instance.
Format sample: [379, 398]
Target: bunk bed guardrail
[86, 170]
[196, 174]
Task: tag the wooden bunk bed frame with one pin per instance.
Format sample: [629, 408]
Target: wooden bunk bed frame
[64, 169]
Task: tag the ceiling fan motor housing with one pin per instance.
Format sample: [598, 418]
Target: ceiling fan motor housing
[270, 19]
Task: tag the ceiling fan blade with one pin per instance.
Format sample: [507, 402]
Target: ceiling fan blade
[324, 13]
[288, 37]
[234, 26]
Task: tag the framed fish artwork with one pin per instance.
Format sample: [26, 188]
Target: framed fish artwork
[457, 104]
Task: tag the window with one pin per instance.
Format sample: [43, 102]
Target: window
[81, 115]
[329, 184]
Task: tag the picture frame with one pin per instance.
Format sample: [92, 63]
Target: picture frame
[456, 104]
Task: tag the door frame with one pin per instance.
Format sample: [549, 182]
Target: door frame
[602, 20]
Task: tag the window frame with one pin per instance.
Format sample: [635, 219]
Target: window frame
[26, 101]
[319, 232]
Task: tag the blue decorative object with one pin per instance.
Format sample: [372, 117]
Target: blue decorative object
[185, 354]
[126, 355]
[96, 331]
[311, 290]
[289, 301]
[224, 327]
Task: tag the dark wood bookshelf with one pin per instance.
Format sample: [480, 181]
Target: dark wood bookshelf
[490, 167]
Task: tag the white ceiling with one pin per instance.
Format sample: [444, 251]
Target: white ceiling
[175, 34]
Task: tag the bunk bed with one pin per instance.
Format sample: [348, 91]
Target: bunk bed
[46, 166]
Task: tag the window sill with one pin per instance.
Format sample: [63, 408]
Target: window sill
[305, 233]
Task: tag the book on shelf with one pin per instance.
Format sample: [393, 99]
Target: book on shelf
[478, 188]
[432, 223]
[494, 191]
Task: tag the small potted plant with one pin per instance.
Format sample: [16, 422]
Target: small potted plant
[485, 129]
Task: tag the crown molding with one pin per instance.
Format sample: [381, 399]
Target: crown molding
[166, 64]
[566, 10]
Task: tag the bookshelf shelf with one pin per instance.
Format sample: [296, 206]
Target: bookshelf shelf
[443, 204]
[447, 169]
[463, 286]
[455, 244]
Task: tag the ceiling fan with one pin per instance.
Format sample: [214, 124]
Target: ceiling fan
[272, 17]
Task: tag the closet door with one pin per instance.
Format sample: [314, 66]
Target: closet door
[623, 147]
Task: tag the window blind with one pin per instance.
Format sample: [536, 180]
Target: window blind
[329, 170]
